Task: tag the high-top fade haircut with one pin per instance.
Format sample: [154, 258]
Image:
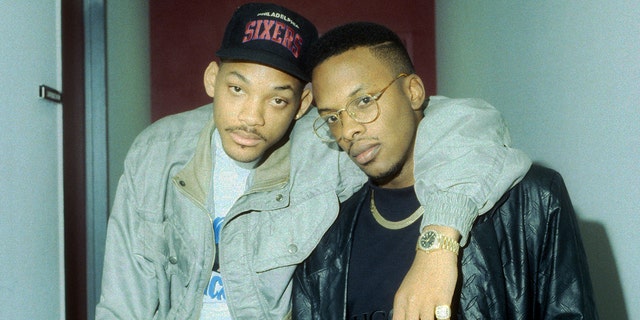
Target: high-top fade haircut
[383, 43]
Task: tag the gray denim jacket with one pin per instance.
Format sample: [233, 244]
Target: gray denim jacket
[160, 251]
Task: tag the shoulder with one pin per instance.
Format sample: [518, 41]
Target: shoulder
[542, 180]
[169, 139]
[540, 196]
[438, 103]
[176, 126]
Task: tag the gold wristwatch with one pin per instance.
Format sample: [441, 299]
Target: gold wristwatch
[431, 240]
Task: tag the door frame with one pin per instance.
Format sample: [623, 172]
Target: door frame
[84, 151]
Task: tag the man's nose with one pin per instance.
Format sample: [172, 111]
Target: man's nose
[350, 127]
[252, 113]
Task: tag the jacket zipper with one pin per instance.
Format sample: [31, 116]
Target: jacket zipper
[201, 206]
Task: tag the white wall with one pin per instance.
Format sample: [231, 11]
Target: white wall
[566, 76]
[31, 215]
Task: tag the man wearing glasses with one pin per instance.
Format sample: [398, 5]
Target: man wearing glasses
[523, 258]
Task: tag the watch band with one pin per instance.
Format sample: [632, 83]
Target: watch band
[449, 244]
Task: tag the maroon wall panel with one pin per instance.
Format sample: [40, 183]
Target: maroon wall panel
[186, 34]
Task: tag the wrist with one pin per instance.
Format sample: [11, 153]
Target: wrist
[431, 240]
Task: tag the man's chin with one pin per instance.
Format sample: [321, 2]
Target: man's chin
[381, 175]
[245, 154]
[245, 158]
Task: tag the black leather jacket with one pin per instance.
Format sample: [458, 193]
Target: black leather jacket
[524, 260]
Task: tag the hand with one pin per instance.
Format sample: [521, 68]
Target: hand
[430, 282]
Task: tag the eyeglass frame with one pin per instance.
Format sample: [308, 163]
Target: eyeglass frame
[337, 113]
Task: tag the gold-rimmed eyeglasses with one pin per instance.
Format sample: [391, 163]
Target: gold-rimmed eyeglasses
[363, 109]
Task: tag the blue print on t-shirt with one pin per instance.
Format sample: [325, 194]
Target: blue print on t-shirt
[217, 226]
[215, 290]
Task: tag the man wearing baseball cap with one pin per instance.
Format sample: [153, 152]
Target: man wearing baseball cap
[218, 205]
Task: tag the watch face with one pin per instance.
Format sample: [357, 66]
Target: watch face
[428, 239]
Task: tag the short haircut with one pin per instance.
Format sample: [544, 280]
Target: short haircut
[382, 41]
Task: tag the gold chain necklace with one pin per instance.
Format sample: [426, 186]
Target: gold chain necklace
[394, 225]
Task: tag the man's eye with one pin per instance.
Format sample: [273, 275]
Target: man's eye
[331, 119]
[364, 101]
[280, 101]
[235, 89]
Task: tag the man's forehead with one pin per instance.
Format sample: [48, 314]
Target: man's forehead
[334, 91]
[251, 72]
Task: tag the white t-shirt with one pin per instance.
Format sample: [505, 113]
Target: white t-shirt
[229, 183]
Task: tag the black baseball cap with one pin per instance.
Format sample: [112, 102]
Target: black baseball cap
[269, 34]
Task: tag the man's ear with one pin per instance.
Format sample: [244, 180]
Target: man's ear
[416, 91]
[305, 102]
[210, 78]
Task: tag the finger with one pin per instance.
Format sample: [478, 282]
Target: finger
[399, 306]
[398, 314]
[411, 312]
[427, 315]
[426, 312]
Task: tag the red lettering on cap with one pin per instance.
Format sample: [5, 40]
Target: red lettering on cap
[266, 32]
[275, 31]
[287, 41]
[249, 30]
[256, 35]
[296, 46]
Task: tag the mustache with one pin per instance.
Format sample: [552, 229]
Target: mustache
[246, 129]
[351, 143]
